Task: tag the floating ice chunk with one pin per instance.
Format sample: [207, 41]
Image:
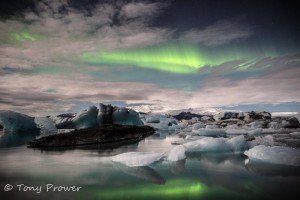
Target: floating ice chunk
[208, 144]
[256, 132]
[125, 116]
[46, 125]
[198, 125]
[257, 124]
[275, 154]
[275, 125]
[86, 118]
[238, 144]
[16, 122]
[212, 126]
[262, 140]
[136, 159]
[210, 132]
[233, 131]
[177, 153]
[152, 119]
[295, 134]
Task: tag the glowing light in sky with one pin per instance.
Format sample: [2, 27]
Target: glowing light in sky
[175, 58]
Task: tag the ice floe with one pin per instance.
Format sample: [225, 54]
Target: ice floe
[177, 153]
[137, 159]
[276, 155]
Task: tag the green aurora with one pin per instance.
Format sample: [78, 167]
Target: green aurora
[173, 58]
[173, 189]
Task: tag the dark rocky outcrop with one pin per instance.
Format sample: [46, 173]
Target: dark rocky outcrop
[252, 116]
[103, 135]
[229, 115]
[189, 115]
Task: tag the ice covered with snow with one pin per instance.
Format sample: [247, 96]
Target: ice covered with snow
[126, 116]
[177, 153]
[17, 122]
[46, 125]
[86, 118]
[137, 159]
[275, 155]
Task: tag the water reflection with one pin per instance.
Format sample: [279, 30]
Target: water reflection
[144, 172]
[268, 169]
[8, 139]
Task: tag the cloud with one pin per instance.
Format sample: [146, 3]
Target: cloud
[219, 33]
[30, 94]
[62, 33]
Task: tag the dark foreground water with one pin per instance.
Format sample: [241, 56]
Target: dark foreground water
[200, 176]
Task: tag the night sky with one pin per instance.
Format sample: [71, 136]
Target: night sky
[62, 56]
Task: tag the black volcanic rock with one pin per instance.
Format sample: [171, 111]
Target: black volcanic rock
[186, 116]
[103, 135]
[252, 116]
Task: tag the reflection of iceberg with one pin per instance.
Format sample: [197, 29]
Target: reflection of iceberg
[144, 172]
[136, 159]
[178, 167]
[16, 139]
[217, 158]
[268, 169]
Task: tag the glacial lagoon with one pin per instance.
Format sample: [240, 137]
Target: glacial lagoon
[199, 176]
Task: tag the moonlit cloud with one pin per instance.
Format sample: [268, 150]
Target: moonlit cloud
[219, 33]
[42, 71]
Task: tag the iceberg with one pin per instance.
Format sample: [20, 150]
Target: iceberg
[137, 159]
[46, 125]
[208, 144]
[17, 122]
[176, 154]
[152, 119]
[212, 132]
[238, 144]
[198, 125]
[86, 118]
[255, 132]
[276, 155]
[262, 140]
[124, 116]
[236, 131]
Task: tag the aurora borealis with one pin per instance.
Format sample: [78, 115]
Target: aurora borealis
[69, 54]
[174, 58]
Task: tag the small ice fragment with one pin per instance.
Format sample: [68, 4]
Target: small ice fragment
[136, 159]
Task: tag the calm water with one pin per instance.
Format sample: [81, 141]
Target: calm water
[200, 176]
